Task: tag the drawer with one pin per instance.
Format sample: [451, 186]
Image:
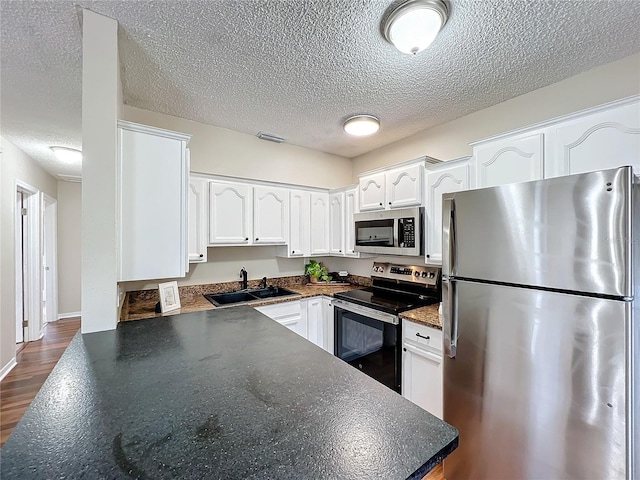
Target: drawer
[281, 310]
[422, 335]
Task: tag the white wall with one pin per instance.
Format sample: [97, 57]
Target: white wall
[14, 165]
[100, 97]
[226, 152]
[451, 140]
[69, 247]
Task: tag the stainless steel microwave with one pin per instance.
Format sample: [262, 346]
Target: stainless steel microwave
[390, 232]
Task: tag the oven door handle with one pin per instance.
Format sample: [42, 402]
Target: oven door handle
[366, 312]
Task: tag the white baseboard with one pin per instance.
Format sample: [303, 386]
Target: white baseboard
[69, 315]
[7, 368]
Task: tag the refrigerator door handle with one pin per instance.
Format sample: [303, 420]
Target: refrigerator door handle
[448, 234]
[449, 317]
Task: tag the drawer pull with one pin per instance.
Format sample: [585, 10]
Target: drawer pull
[422, 336]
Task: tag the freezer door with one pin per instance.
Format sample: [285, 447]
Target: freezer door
[537, 385]
[571, 233]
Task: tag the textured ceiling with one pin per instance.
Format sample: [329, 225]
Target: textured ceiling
[297, 68]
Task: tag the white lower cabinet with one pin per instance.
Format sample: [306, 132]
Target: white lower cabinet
[422, 366]
[315, 320]
[288, 314]
[317, 313]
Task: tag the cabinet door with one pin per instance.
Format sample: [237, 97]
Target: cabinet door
[319, 223]
[510, 160]
[229, 213]
[329, 336]
[288, 314]
[599, 141]
[350, 208]
[422, 378]
[152, 208]
[336, 223]
[299, 223]
[197, 220]
[270, 215]
[315, 321]
[453, 179]
[404, 186]
[372, 192]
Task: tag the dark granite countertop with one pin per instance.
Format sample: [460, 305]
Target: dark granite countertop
[225, 393]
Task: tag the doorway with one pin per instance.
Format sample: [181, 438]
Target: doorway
[29, 247]
[49, 260]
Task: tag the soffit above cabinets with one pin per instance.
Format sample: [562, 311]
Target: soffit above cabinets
[297, 68]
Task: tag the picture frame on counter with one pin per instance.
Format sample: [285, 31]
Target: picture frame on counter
[169, 296]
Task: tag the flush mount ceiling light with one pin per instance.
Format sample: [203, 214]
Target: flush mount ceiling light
[413, 25]
[361, 125]
[67, 155]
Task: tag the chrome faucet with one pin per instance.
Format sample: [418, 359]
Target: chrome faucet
[243, 274]
[264, 282]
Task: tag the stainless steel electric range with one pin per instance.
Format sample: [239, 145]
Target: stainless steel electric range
[367, 323]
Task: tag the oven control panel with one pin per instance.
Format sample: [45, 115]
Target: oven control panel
[426, 275]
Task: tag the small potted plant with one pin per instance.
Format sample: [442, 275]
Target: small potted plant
[316, 271]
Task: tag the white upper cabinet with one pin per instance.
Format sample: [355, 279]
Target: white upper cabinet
[510, 159]
[394, 188]
[153, 182]
[319, 223]
[598, 141]
[299, 224]
[336, 223]
[198, 190]
[372, 191]
[229, 213]
[350, 208]
[446, 179]
[270, 215]
[404, 186]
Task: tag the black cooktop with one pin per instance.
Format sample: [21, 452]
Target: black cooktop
[385, 301]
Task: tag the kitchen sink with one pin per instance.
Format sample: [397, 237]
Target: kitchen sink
[245, 296]
[272, 292]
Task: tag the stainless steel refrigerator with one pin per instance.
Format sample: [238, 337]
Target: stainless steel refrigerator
[541, 333]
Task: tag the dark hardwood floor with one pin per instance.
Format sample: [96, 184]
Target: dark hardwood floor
[35, 362]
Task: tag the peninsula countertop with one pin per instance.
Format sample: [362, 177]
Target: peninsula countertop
[224, 393]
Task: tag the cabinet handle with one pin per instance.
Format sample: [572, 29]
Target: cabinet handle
[389, 203]
[246, 238]
[292, 252]
[201, 255]
[256, 239]
[339, 251]
[428, 256]
[422, 336]
[404, 349]
[381, 204]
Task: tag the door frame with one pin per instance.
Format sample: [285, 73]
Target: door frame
[33, 256]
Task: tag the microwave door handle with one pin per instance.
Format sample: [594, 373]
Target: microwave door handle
[397, 232]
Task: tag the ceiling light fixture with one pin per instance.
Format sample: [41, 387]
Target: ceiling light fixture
[67, 155]
[413, 25]
[361, 125]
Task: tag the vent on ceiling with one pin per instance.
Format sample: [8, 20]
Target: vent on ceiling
[70, 178]
[432, 161]
[270, 137]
